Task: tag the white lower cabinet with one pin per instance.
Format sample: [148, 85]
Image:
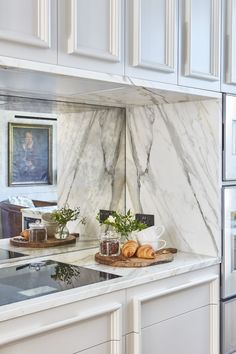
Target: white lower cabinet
[181, 316]
[177, 315]
[92, 326]
[187, 333]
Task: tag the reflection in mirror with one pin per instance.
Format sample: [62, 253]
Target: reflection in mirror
[88, 162]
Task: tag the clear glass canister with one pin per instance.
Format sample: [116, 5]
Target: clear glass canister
[38, 232]
[109, 244]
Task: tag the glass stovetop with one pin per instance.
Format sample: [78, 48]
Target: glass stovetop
[42, 278]
[4, 254]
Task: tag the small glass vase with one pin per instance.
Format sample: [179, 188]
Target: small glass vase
[62, 232]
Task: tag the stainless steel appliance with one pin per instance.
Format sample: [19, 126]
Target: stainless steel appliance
[229, 138]
[228, 267]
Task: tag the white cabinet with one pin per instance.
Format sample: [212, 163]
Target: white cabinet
[168, 318]
[92, 326]
[179, 334]
[151, 40]
[228, 72]
[28, 30]
[199, 43]
[178, 315]
[90, 35]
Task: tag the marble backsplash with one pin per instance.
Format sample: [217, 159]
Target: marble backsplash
[173, 169]
[160, 159]
[91, 160]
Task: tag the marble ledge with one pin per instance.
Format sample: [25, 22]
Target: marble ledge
[129, 277]
[101, 82]
[70, 250]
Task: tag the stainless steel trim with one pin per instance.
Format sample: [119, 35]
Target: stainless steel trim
[228, 272]
[229, 137]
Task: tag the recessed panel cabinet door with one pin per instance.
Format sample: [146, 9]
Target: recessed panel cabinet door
[151, 37]
[91, 35]
[199, 43]
[28, 30]
[229, 47]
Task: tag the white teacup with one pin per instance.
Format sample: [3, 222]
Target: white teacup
[151, 236]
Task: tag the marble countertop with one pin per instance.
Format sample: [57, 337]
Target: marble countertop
[84, 256]
[30, 253]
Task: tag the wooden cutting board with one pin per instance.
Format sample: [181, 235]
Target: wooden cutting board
[51, 242]
[133, 262]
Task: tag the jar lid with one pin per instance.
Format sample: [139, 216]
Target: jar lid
[36, 225]
[110, 235]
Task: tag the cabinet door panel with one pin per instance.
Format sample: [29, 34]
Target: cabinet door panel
[90, 34]
[200, 27]
[188, 333]
[229, 47]
[28, 29]
[151, 39]
[71, 335]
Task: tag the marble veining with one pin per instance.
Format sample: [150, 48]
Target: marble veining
[183, 263]
[91, 164]
[173, 170]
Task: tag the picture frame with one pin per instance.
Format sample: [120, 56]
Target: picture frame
[29, 154]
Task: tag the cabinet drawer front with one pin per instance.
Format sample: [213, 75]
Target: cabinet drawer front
[188, 333]
[71, 335]
[161, 308]
[151, 304]
[104, 348]
[194, 332]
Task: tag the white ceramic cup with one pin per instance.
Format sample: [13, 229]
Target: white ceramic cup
[151, 236]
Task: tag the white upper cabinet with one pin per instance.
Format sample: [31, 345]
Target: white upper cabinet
[228, 72]
[90, 34]
[199, 43]
[28, 30]
[151, 40]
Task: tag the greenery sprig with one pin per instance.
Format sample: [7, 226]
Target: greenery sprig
[123, 223]
[65, 214]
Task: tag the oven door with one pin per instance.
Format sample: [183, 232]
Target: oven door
[229, 242]
[229, 138]
[228, 327]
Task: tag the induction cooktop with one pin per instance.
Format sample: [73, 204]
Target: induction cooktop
[31, 280]
[4, 254]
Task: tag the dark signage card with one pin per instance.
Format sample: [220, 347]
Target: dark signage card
[147, 219]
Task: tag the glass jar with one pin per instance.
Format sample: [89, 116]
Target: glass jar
[38, 232]
[109, 244]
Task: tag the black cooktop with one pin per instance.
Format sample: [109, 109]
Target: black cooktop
[42, 278]
[4, 254]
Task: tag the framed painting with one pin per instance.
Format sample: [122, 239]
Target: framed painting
[29, 154]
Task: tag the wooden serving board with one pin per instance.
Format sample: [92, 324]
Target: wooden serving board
[133, 262]
[51, 242]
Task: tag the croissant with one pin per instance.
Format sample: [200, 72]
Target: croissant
[145, 251]
[129, 248]
[25, 234]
